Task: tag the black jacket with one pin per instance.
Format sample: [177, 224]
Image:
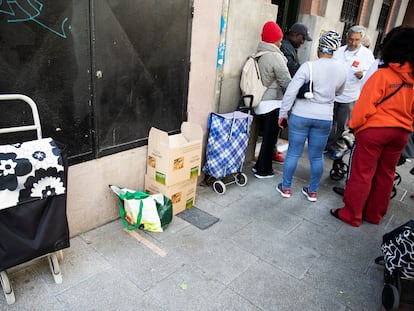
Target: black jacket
[292, 56]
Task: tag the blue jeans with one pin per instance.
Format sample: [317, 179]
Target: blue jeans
[316, 132]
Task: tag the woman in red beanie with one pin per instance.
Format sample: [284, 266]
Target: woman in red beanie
[275, 75]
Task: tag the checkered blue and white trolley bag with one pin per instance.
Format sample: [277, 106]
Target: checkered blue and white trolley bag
[33, 182]
[226, 148]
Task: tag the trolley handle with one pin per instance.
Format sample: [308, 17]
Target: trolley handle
[36, 120]
[246, 103]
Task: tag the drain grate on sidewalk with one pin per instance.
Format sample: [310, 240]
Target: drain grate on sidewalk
[198, 218]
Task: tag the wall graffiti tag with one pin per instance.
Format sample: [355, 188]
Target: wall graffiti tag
[20, 11]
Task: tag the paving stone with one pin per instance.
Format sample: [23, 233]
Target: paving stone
[266, 253]
[188, 288]
[277, 248]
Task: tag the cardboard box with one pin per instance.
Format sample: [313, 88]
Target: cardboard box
[175, 158]
[181, 194]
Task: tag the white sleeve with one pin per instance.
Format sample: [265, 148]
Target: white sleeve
[370, 71]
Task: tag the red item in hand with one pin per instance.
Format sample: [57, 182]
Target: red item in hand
[283, 122]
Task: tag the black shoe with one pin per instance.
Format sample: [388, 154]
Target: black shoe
[263, 176]
[339, 190]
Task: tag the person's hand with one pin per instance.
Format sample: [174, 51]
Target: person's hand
[283, 122]
[358, 74]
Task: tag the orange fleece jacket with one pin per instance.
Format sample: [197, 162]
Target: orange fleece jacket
[396, 111]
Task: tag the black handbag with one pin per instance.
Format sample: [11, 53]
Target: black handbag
[306, 90]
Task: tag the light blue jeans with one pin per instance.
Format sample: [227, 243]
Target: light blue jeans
[317, 133]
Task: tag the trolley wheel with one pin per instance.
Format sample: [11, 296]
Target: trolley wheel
[7, 288]
[390, 297]
[219, 187]
[339, 170]
[54, 267]
[241, 179]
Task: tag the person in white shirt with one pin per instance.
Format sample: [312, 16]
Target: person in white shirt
[357, 59]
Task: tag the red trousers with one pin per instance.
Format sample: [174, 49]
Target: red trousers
[368, 190]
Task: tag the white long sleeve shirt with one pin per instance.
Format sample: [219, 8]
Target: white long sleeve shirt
[328, 77]
[353, 61]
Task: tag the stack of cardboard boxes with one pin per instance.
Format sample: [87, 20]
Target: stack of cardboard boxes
[174, 163]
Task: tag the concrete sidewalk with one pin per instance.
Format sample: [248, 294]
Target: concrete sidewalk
[265, 253]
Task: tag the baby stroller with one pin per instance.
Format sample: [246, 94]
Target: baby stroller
[226, 149]
[339, 167]
[398, 261]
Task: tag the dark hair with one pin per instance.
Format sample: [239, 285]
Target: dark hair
[391, 33]
[398, 46]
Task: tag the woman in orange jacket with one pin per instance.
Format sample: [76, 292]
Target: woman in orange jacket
[382, 120]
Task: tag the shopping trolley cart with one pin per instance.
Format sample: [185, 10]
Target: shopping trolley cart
[398, 261]
[33, 179]
[226, 148]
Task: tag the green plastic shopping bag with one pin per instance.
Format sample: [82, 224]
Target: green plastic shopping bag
[141, 209]
[164, 209]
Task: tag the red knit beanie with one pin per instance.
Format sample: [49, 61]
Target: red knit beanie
[271, 32]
